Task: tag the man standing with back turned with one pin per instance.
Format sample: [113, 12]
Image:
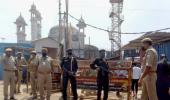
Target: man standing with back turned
[149, 77]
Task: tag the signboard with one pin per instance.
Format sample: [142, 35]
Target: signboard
[86, 78]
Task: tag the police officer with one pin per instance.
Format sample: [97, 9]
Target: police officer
[149, 76]
[44, 75]
[102, 67]
[69, 67]
[20, 64]
[9, 67]
[33, 65]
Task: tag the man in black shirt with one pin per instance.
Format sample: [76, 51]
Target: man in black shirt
[101, 65]
[69, 66]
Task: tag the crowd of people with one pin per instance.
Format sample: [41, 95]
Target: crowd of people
[154, 76]
[41, 69]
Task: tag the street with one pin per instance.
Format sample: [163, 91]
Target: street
[56, 96]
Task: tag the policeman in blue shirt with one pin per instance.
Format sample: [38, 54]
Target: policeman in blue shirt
[69, 67]
[102, 67]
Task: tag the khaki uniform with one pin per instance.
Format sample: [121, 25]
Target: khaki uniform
[20, 63]
[9, 75]
[33, 65]
[44, 77]
[149, 82]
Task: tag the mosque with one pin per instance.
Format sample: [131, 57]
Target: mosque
[53, 42]
[55, 38]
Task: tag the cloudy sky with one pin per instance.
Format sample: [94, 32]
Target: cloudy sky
[139, 15]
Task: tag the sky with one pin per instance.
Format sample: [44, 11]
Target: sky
[139, 16]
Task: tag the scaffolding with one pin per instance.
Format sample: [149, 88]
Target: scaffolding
[115, 30]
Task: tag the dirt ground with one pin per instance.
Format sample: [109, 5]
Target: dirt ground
[57, 96]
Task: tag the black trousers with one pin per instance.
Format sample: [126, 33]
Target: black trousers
[102, 84]
[73, 82]
[134, 86]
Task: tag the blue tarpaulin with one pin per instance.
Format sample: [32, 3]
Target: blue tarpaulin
[15, 46]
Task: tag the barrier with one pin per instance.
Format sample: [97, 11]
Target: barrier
[119, 81]
[86, 78]
[56, 76]
[56, 82]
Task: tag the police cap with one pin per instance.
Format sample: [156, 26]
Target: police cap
[33, 52]
[146, 40]
[102, 50]
[45, 49]
[8, 49]
[163, 55]
[69, 50]
[19, 52]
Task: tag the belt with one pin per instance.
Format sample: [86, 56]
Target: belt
[152, 71]
[32, 71]
[7, 70]
[19, 69]
[44, 73]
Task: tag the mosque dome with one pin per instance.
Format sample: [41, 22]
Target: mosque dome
[54, 31]
[20, 20]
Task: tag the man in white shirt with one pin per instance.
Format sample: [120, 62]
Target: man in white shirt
[136, 73]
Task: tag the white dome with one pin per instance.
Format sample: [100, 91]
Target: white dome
[54, 32]
[20, 20]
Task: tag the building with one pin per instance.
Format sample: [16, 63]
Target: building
[77, 39]
[35, 26]
[161, 42]
[50, 43]
[54, 40]
[20, 29]
[56, 34]
[35, 23]
[91, 52]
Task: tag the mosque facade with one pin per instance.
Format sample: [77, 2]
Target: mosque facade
[54, 39]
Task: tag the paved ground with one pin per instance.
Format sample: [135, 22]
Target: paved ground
[56, 96]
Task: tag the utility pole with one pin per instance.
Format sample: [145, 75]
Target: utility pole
[65, 35]
[79, 42]
[66, 39]
[60, 53]
[60, 21]
[89, 48]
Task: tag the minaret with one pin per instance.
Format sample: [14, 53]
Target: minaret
[20, 29]
[35, 23]
[81, 25]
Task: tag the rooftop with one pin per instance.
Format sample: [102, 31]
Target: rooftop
[156, 37]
